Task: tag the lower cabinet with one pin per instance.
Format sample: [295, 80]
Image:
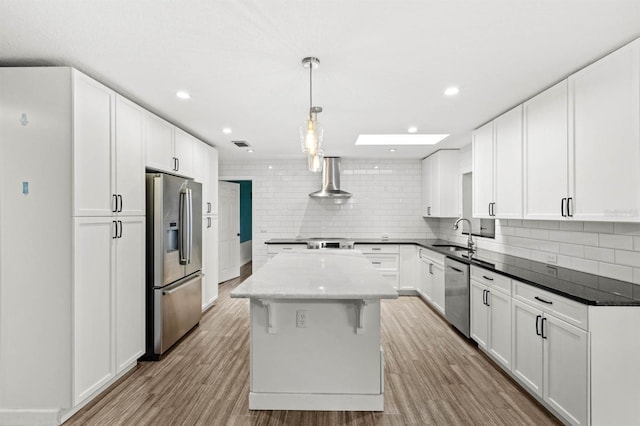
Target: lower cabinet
[209, 260]
[431, 282]
[385, 258]
[108, 299]
[491, 321]
[550, 357]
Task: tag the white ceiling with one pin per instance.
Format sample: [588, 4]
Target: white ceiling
[384, 64]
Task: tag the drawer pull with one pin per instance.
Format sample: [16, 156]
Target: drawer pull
[543, 301]
[487, 278]
[376, 248]
[377, 263]
[287, 248]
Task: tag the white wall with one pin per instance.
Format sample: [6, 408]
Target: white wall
[386, 200]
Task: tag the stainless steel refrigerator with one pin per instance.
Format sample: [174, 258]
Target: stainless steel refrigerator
[174, 260]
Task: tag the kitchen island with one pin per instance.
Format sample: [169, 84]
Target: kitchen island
[315, 332]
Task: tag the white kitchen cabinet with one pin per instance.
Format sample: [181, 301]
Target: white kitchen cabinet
[184, 145]
[210, 184]
[93, 147]
[482, 153]
[130, 158]
[546, 154]
[409, 268]
[159, 143]
[93, 313]
[385, 258]
[490, 307]
[497, 167]
[441, 184]
[77, 144]
[550, 357]
[168, 149]
[200, 162]
[130, 291]
[431, 283]
[108, 299]
[604, 123]
[210, 263]
[108, 151]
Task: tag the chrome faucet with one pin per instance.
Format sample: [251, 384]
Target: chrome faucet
[470, 243]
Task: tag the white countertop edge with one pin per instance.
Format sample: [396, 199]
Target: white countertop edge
[336, 297]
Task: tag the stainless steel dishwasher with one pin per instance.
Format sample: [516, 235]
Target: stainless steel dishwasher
[456, 294]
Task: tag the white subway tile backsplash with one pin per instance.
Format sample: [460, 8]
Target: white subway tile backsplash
[571, 226]
[584, 265]
[572, 250]
[599, 254]
[599, 227]
[629, 258]
[623, 242]
[617, 272]
[627, 228]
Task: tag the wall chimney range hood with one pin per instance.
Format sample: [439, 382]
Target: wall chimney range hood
[331, 181]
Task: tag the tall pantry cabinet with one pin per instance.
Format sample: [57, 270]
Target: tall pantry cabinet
[71, 241]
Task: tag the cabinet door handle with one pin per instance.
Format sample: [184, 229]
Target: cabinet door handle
[538, 317]
[484, 297]
[119, 203]
[115, 230]
[488, 293]
[493, 209]
[562, 207]
[120, 232]
[177, 164]
[489, 209]
[208, 222]
[542, 328]
[431, 268]
[487, 278]
[543, 301]
[208, 207]
[114, 203]
[569, 203]
[429, 211]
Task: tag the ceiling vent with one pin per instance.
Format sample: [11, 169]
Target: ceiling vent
[240, 144]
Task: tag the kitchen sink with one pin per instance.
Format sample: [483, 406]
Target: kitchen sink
[451, 247]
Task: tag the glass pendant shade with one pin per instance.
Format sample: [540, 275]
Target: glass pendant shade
[311, 133]
[316, 161]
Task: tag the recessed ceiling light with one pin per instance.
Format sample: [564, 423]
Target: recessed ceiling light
[392, 150]
[249, 150]
[183, 95]
[375, 167]
[452, 91]
[421, 139]
[226, 130]
[412, 129]
[270, 167]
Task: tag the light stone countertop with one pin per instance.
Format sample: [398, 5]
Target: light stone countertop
[316, 274]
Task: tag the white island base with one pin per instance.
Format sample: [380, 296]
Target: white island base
[329, 364]
[315, 332]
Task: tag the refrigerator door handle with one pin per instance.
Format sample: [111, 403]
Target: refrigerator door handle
[190, 228]
[184, 227]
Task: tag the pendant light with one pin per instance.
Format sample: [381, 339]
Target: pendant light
[311, 131]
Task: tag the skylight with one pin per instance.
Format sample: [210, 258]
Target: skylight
[415, 139]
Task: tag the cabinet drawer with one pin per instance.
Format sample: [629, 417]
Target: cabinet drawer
[279, 248]
[568, 310]
[384, 261]
[491, 279]
[378, 248]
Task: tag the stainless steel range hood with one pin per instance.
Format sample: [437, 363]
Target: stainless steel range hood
[331, 181]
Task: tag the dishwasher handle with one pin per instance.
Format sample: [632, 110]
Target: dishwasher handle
[455, 269]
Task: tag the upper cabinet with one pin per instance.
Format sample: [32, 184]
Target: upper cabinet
[169, 149]
[604, 105]
[580, 149]
[108, 151]
[497, 167]
[441, 184]
[546, 154]
[582, 144]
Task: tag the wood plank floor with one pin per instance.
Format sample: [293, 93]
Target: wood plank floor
[432, 376]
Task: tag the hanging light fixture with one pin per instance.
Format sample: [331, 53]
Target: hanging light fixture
[311, 131]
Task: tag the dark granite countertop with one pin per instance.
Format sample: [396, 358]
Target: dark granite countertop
[585, 288]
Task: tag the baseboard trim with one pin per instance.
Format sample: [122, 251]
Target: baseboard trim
[315, 402]
[28, 417]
